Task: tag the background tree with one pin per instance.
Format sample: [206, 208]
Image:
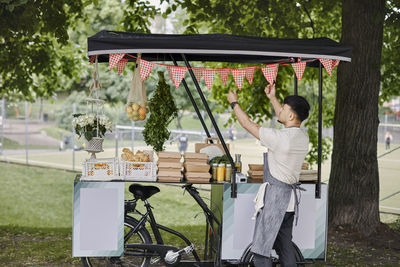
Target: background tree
[43, 43]
[354, 181]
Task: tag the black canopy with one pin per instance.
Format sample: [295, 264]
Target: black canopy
[214, 47]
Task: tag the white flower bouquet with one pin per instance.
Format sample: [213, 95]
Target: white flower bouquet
[86, 125]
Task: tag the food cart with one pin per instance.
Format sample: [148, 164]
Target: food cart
[233, 199]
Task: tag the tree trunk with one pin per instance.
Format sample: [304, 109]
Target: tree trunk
[354, 180]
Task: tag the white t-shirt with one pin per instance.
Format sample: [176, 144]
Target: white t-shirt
[287, 149]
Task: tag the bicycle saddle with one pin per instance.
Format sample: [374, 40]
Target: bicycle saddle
[143, 192]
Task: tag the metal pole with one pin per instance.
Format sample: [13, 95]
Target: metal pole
[295, 84]
[3, 121]
[26, 132]
[318, 185]
[116, 141]
[73, 138]
[193, 102]
[132, 134]
[203, 99]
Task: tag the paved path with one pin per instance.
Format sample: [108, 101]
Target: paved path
[15, 130]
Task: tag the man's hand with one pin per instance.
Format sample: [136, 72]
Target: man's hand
[232, 96]
[270, 91]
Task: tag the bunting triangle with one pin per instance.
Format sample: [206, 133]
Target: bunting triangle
[328, 65]
[121, 65]
[299, 68]
[335, 62]
[92, 59]
[223, 75]
[114, 59]
[250, 74]
[176, 73]
[198, 73]
[145, 68]
[208, 76]
[270, 72]
[238, 76]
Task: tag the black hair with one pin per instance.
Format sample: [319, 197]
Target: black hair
[299, 105]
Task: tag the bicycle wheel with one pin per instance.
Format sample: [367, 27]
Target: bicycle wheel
[140, 236]
[247, 257]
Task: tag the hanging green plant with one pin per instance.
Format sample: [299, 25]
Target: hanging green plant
[162, 112]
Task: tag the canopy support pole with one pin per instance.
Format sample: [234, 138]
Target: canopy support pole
[214, 123]
[318, 185]
[193, 102]
[295, 84]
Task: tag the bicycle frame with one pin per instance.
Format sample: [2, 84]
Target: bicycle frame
[155, 227]
[160, 248]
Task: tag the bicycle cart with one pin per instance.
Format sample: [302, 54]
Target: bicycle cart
[103, 226]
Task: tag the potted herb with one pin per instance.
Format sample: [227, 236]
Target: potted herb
[93, 128]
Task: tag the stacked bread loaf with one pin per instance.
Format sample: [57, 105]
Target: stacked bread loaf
[307, 175]
[196, 168]
[256, 173]
[169, 167]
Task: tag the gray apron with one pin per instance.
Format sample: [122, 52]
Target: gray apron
[269, 219]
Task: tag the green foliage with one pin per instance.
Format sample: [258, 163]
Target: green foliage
[390, 68]
[64, 112]
[36, 54]
[43, 43]
[163, 111]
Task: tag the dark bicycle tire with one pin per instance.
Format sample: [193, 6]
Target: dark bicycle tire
[141, 236]
[247, 257]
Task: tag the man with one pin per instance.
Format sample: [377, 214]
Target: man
[287, 149]
[388, 139]
[183, 142]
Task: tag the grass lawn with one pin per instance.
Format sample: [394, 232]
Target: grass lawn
[36, 215]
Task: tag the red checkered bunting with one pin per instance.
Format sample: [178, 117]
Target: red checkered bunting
[328, 64]
[145, 69]
[335, 62]
[223, 74]
[270, 72]
[114, 59]
[250, 74]
[208, 76]
[176, 73]
[238, 76]
[299, 68]
[198, 73]
[121, 65]
[92, 59]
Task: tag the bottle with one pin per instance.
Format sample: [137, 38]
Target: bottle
[214, 171]
[228, 173]
[221, 173]
[238, 163]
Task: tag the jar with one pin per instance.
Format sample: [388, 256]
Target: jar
[238, 163]
[221, 173]
[214, 171]
[228, 173]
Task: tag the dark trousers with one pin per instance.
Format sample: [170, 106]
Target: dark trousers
[283, 245]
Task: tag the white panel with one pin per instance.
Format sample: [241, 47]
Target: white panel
[243, 224]
[99, 219]
[304, 232]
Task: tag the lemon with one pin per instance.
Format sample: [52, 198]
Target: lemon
[135, 106]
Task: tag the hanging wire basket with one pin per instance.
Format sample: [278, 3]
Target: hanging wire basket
[94, 145]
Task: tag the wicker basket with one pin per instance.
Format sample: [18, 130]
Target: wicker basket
[137, 171]
[94, 145]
